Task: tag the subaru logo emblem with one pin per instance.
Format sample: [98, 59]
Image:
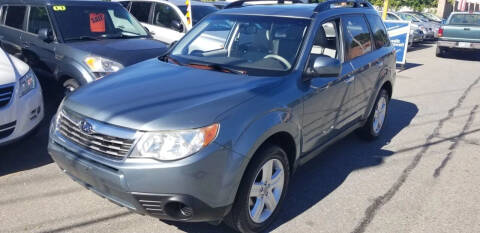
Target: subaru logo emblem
[86, 127]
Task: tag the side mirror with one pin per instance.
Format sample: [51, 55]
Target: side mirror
[322, 66]
[45, 34]
[177, 25]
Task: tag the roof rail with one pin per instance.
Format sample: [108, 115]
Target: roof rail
[330, 4]
[240, 3]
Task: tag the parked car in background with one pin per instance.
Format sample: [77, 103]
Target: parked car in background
[461, 32]
[215, 134]
[429, 24]
[21, 101]
[427, 30]
[76, 41]
[416, 35]
[431, 17]
[166, 20]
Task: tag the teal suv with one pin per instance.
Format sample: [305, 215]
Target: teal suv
[214, 131]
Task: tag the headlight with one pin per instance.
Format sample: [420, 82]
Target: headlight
[174, 145]
[102, 66]
[27, 83]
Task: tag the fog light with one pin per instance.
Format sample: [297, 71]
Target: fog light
[186, 211]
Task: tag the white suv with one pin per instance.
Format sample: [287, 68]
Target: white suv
[166, 20]
[21, 101]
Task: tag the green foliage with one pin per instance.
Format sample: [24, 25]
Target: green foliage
[415, 4]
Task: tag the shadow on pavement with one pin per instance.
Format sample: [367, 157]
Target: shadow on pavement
[31, 151]
[420, 46]
[463, 55]
[408, 66]
[322, 175]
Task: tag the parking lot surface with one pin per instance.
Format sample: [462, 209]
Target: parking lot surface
[422, 175]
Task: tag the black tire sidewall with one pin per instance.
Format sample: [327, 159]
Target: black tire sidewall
[240, 210]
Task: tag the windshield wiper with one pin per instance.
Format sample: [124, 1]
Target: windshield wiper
[216, 67]
[121, 36]
[83, 38]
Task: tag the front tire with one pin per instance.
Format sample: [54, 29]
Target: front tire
[262, 191]
[376, 120]
[70, 85]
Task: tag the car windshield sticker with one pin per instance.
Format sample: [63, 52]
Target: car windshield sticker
[97, 22]
[59, 8]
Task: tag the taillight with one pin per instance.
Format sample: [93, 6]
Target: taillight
[440, 32]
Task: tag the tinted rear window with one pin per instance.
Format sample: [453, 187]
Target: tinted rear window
[465, 19]
[15, 16]
[379, 31]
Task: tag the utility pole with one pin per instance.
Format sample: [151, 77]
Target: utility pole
[385, 9]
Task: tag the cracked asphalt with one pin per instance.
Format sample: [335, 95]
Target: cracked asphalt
[422, 175]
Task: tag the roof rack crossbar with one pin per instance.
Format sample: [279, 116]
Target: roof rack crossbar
[240, 3]
[353, 3]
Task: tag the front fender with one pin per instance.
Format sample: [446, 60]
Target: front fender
[72, 68]
[263, 127]
[253, 135]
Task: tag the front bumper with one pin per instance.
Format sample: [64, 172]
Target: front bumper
[459, 45]
[21, 115]
[206, 182]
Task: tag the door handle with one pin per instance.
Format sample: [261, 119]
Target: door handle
[466, 29]
[26, 44]
[349, 79]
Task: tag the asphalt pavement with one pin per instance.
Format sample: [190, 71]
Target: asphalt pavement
[422, 175]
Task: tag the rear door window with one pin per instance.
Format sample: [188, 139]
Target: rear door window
[141, 10]
[38, 19]
[15, 16]
[357, 36]
[380, 35]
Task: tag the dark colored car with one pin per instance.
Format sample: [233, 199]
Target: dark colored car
[213, 132]
[76, 41]
[461, 32]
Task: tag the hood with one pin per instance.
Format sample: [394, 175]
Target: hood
[154, 95]
[125, 51]
[11, 68]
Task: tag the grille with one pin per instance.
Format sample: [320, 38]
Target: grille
[109, 146]
[7, 129]
[6, 93]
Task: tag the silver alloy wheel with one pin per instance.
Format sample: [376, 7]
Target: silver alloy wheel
[266, 190]
[380, 112]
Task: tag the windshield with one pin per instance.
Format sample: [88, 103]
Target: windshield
[97, 22]
[420, 16]
[408, 17]
[254, 45]
[432, 17]
[465, 19]
[198, 12]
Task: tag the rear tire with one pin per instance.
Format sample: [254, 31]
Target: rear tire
[376, 120]
[261, 192]
[441, 52]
